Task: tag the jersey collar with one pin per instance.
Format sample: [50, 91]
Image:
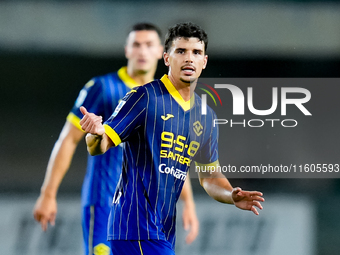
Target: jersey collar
[186, 105]
[123, 75]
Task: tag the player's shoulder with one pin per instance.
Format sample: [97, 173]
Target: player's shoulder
[138, 91]
[154, 88]
[152, 84]
[147, 91]
[111, 75]
[98, 84]
[105, 79]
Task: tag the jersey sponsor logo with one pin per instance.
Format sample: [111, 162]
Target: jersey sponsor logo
[198, 128]
[118, 108]
[176, 147]
[101, 249]
[175, 157]
[168, 116]
[177, 173]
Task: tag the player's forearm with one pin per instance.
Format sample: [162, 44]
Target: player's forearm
[214, 182]
[217, 186]
[186, 194]
[58, 165]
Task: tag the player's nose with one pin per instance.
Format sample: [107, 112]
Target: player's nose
[189, 57]
[143, 50]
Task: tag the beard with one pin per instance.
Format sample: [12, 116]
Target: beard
[188, 81]
[141, 72]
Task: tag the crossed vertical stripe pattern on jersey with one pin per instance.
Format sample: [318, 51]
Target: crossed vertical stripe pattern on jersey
[147, 207]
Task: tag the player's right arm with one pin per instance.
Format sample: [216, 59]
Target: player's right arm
[215, 183]
[219, 188]
[96, 140]
[126, 120]
[45, 208]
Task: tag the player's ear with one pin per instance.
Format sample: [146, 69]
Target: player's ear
[166, 58]
[205, 61]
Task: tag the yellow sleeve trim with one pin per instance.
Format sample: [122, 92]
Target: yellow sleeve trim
[211, 165]
[74, 119]
[112, 134]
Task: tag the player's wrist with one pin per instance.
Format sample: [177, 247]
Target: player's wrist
[228, 197]
[189, 204]
[48, 193]
[92, 139]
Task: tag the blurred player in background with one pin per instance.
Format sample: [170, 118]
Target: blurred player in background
[101, 95]
[163, 130]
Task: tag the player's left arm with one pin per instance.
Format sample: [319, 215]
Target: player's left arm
[218, 187]
[190, 221]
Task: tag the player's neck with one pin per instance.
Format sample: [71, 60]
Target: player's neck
[141, 78]
[185, 89]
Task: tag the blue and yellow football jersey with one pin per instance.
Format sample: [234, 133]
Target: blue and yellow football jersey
[101, 96]
[163, 134]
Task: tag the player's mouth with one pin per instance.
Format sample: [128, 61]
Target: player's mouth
[142, 61]
[188, 69]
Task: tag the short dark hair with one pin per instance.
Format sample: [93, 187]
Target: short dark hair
[146, 26]
[185, 30]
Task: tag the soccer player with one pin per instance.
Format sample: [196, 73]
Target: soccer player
[163, 131]
[101, 95]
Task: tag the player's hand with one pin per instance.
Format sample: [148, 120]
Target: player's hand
[190, 222]
[91, 123]
[247, 200]
[45, 211]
